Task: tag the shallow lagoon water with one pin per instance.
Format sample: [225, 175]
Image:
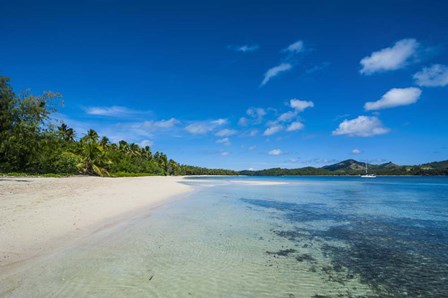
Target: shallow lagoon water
[310, 237]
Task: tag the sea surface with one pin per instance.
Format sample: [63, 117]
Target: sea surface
[266, 237]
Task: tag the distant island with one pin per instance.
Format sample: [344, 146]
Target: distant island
[353, 167]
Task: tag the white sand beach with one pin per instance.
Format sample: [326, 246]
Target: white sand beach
[38, 215]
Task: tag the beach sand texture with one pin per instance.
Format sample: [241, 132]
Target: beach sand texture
[38, 215]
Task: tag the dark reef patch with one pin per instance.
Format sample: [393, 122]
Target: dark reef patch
[282, 252]
[396, 257]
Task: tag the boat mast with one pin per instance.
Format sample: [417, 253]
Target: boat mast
[366, 167]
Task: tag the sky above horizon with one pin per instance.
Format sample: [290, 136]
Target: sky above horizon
[242, 84]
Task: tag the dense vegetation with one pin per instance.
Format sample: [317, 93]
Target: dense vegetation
[33, 143]
[353, 167]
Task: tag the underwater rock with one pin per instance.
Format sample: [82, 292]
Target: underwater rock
[305, 257]
[282, 252]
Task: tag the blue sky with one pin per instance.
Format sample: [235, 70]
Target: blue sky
[242, 85]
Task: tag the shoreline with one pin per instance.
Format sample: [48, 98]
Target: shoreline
[41, 215]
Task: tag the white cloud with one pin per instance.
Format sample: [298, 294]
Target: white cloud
[167, 123]
[300, 105]
[256, 114]
[295, 48]
[252, 148]
[395, 97]
[224, 141]
[252, 132]
[434, 76]
[219, 122]
[243, 121]
[226, 132]
[204, 127]
[245, 48]
[274, 71]
[356, 151]
[113, 111]
[391, 58]
[225, 153]
[275, 128]
[275, 152]
[198, 128]
[363, 126]
[288, 116]
[154, 125]
[295, 126]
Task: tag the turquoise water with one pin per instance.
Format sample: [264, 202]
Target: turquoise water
[266, 237]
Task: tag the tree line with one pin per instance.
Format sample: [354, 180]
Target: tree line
[31, 142]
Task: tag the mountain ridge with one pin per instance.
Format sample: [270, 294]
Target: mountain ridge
[354, 167]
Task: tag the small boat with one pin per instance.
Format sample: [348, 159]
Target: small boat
[367, 175]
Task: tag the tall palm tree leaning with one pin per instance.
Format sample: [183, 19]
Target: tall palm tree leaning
[92, 156]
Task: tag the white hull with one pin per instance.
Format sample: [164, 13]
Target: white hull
[368, 176]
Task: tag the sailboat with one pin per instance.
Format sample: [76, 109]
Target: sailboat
[367, 175]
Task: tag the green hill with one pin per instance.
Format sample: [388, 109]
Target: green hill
[354, 167]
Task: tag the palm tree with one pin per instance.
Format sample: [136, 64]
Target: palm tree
[146, 153]
[134, 150]
[92, 159]
[67, 134]
[92, 136]
[173, 167]
[123, 146]
[162, 160]
[105, 142]
[91, 155]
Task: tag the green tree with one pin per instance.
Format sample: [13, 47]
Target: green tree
[92, 157]
[66, 133]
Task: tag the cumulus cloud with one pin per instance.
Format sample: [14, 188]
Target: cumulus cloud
[245, 48]
[300, 105]
[113, 111]
[226, 132]
[204, 127]
[363, 126]
[295, 126]
[391, 58]
[275, 152]
[434, 76]
[275, 71]
[273, 129]
[395, 97]
[356, 151]
[295, 48]
[225, 153]
[224, 141]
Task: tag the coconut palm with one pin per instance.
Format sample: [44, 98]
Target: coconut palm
[66, 133]
[104, 142]
[91, 155]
